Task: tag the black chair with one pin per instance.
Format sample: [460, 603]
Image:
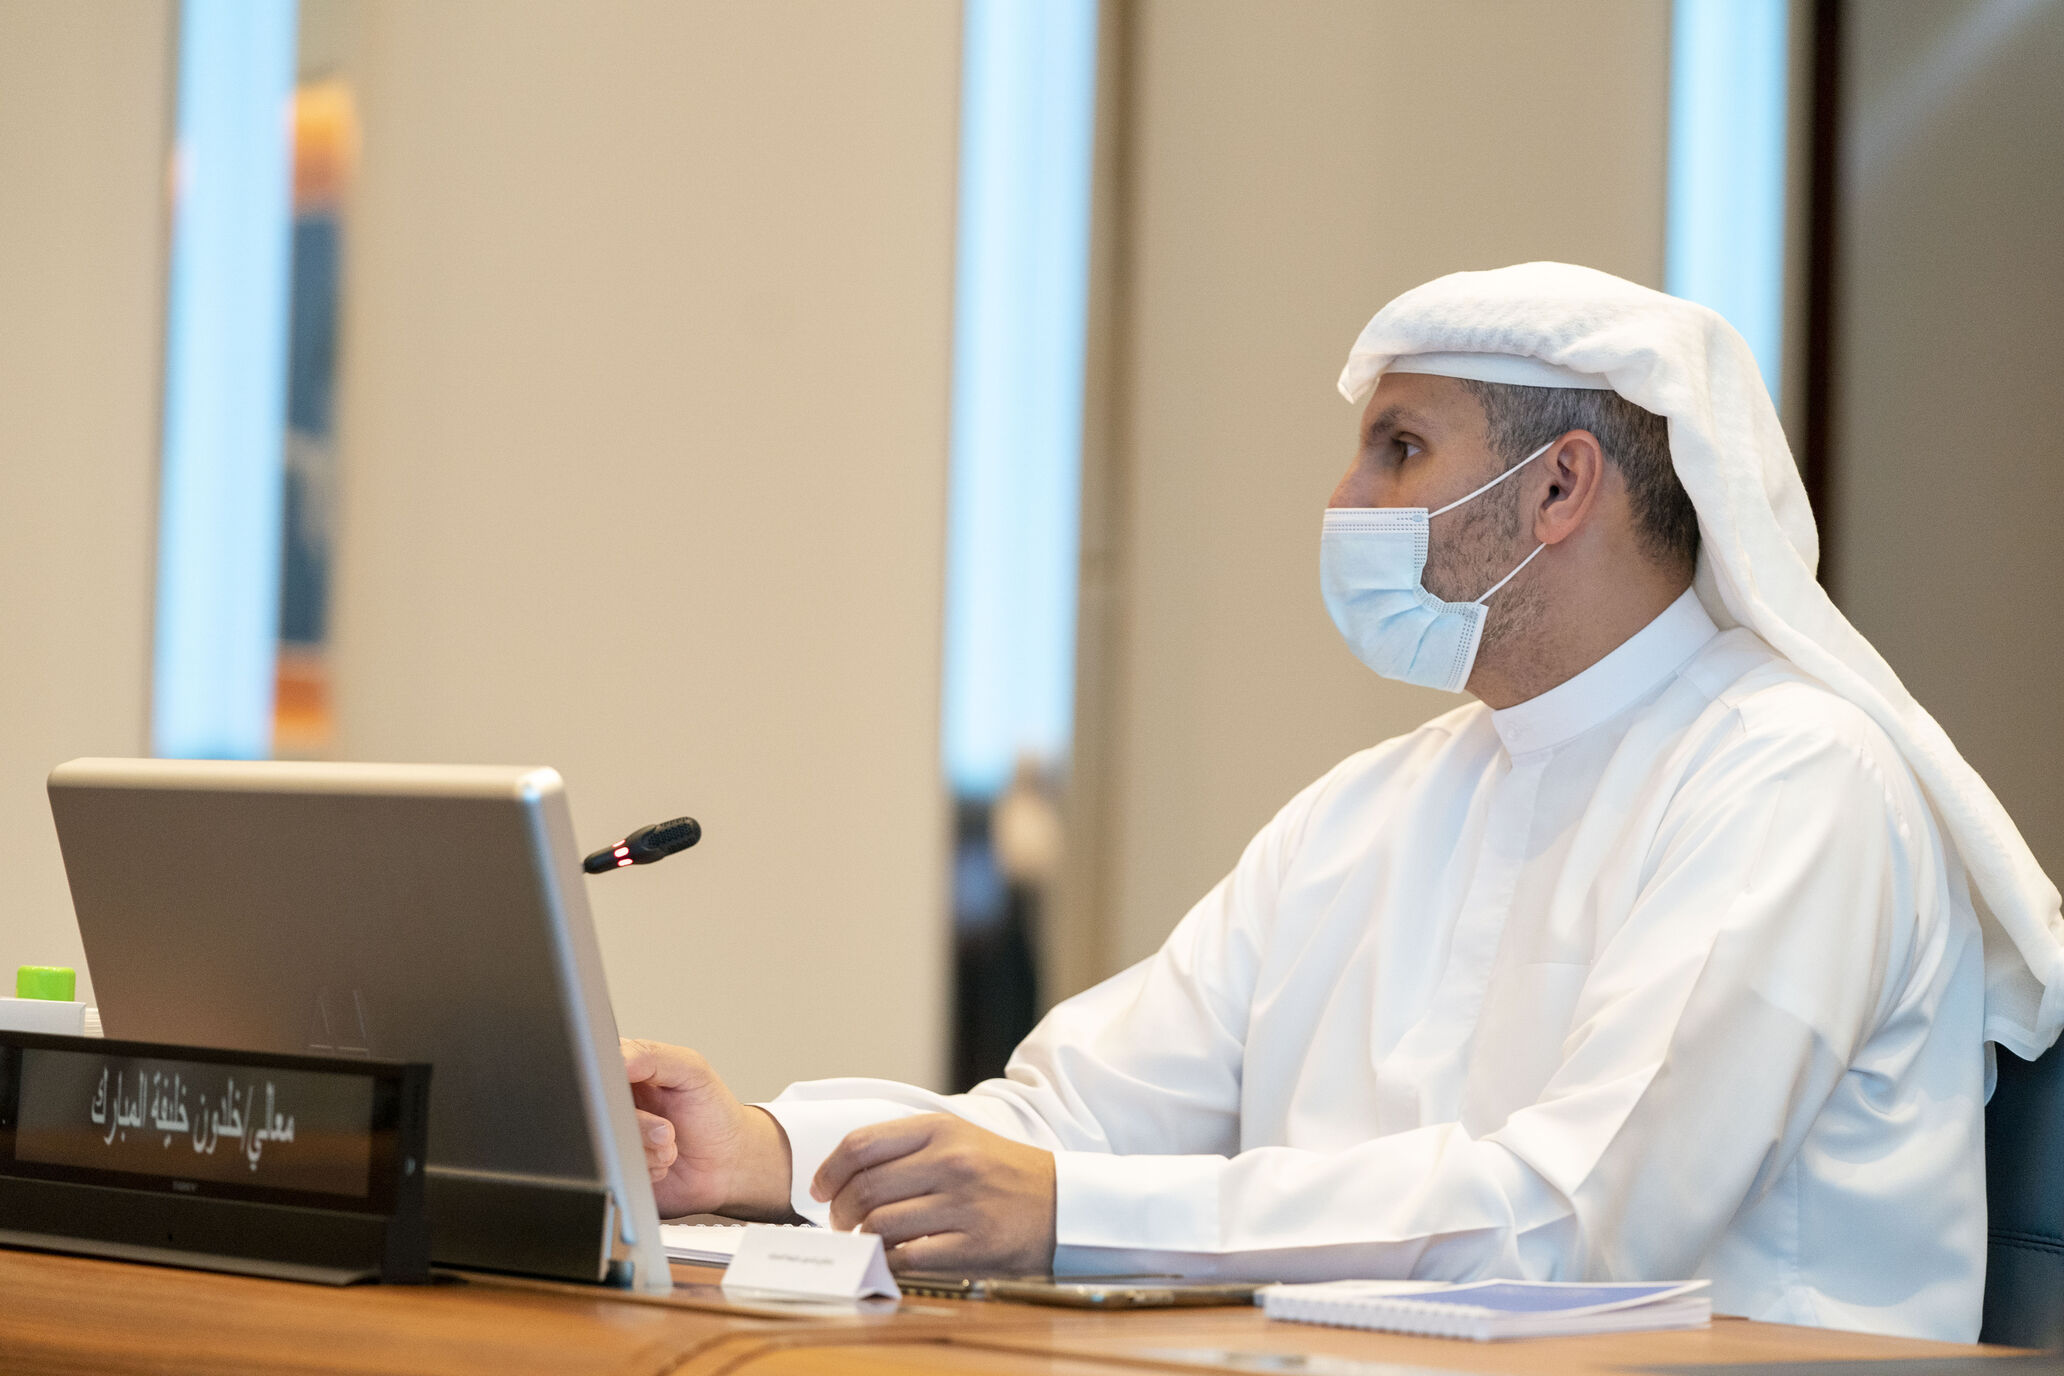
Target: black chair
[2024, 1193]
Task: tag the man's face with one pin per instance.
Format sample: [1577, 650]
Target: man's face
[1425, 442]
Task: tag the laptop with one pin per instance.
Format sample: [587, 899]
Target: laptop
[410, 912]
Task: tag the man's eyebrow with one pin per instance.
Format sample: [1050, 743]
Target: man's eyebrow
[1390, 420]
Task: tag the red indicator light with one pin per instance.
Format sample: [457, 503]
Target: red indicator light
[625, 861]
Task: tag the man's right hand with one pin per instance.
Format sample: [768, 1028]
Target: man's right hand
[707, 1152]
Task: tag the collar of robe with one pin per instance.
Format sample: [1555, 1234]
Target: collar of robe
[1612, 685]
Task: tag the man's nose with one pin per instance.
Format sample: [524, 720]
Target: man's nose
[1357, 487]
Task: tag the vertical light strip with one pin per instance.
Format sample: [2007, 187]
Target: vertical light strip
[225, 382]
[1728, 109]
[1028, 91]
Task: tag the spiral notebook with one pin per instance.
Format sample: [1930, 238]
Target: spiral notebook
[1493, 1309]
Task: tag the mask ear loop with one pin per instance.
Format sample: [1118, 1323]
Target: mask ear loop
[1493, 483]
[1510, 576]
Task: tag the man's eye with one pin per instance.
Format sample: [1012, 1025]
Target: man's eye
[1407, 449]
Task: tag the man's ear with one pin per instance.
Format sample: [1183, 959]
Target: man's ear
[1576, 477]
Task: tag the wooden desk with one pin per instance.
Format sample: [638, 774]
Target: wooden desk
[72, 1315]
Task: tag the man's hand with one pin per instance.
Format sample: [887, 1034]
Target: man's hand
[944, 1195]
[707, 1152]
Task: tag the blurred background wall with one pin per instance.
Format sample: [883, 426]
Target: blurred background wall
[85, 95]
[642, 453]
[1947, 443]
[642, 322]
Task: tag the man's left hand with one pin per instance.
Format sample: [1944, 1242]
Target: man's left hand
[944, 1195]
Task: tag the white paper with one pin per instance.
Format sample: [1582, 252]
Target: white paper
[43, 1015]
[706, 1244]
[817, 1263]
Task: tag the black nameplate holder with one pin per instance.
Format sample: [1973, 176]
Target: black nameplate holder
[296, 1167]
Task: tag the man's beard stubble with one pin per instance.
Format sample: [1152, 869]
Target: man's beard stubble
[1482, 544]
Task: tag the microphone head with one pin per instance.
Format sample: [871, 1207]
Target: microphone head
[645, 845]
[662, 839]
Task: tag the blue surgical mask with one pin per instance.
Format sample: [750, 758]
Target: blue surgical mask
[1371, 560]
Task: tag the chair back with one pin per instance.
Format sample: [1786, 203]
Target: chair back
[2024, 1196]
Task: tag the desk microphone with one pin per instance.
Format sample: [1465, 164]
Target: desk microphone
[646, 845]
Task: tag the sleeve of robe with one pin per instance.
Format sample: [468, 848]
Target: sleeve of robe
[1715, 1022]
[1147, 1061]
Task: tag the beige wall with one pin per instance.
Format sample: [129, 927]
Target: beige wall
[643, 454]
[1286, 169]
[1949, 419]
[85, 101]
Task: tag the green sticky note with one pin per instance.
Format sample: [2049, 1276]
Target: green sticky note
[46, 982]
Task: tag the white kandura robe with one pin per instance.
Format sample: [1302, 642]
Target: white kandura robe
[1656, 975]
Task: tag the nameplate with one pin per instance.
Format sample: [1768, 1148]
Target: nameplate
[817, 1263]
[302, 1167]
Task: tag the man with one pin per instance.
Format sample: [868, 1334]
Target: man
[1676, 954]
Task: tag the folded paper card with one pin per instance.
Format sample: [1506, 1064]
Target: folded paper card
[814, 1262]
[708, 1244]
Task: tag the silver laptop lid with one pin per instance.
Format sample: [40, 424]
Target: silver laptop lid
[418, 912]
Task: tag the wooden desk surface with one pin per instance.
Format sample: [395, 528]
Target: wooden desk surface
[74, 1315]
